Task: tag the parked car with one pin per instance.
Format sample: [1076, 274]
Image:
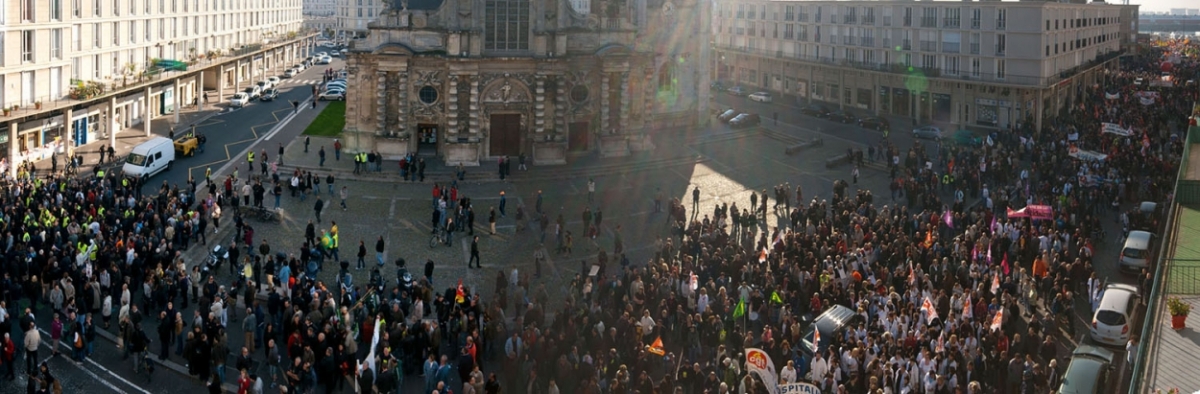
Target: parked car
[762, 97]
[253, 91]
[239, 100]
[927, 132]
[816, 110]
[336, 54]
[344, 51]
[291, 72]
[874, 122]
[840, 116]
[274, 81]
[264, 84]
[745, 120]
[967, 138]
[269, 94]
[325, 60]
[333, 95]
[1089, 371]
[1112, 323]
[736, 91]
[301, 66]
[335, 85]
[1137, 252]
[1147, 218]
[726, 116]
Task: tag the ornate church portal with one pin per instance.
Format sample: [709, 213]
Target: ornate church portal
[471, 80]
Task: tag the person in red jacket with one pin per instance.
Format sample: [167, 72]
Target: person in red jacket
[244, 382]
[9, 356]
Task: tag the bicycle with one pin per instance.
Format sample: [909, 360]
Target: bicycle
[439, 237]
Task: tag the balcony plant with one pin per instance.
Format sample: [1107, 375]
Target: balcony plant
[37, 105]
[1179, 312]
[7, 111]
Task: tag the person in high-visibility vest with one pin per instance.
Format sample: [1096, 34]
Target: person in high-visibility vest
[250, 158]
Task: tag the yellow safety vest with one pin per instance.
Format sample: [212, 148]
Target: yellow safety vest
[249, 156]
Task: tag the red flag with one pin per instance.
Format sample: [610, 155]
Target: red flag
[927, 308]
[816, 340]
[1004, 263]
[941, 343]
[967, 307]
[912, 275]
[762, 256]
[998, 319]
[928, 239]
[949, 218]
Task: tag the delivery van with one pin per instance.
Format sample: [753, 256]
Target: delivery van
[150, 157]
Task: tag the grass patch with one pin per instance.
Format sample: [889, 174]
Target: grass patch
[330, 122]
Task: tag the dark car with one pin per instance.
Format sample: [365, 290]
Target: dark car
[269, 94]
[830, 324]
[840, 116]
[737, 91]
[874, 122]
[726, 116]
[745, 120]
[817, 110]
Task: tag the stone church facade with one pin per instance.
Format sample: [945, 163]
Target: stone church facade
[470, 80]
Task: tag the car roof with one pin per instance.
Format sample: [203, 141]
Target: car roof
[1147, 206]
[1082, 375]
[1116, 298]
[1139, 238]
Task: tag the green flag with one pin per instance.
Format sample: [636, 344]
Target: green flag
[776, 298]
[740, 310]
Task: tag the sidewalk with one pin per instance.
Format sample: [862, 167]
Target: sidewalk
[128, 138]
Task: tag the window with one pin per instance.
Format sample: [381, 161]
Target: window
[56, 10]
[96, 7]
[116, 33]
[147, 29]
[975, 67]
[77, 8]
[1001, 44]
[1001, 19]
[506, 25]
[96, 66]
[27, 14]
[132, 32]
[95, 35]
[951, 65]
[117, 7]
[1000, 66]
[76, 67]
[27, 45]
[162, 26]
[76, 38]
[56, 44]
[132, 7]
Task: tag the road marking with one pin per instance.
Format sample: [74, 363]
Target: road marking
[287, 119]
[392, 209]
[63, 344]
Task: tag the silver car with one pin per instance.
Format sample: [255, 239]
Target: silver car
[928, 132]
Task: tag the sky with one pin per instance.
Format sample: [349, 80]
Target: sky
[1161, 5]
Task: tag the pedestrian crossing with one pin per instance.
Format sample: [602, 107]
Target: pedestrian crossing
[296, 81]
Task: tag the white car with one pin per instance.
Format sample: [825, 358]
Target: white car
[274, 81]
[322, 54]
[333, 95]
[762, 97]
[239, 100]
[291, 72]
[264, 85]
[325, 60]
[1112, 323]
[335, 85]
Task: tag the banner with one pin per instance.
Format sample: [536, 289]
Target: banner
[798, 388]
[1146, 100]
[1112, 96]
[1085, 155]
[1036, 212]
[1146, 97]
[758, 361]
[1115, 129]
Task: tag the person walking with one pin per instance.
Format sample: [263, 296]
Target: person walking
[317, 207]
[503, 202]
[33, 339]
[329, 182]
[474, 253]
[492, 220]
[280, 160]
[591, 187]
[854, 174]
[307, 140]
[696, 200]
[321, 154]
[343, 195]
[379, 251]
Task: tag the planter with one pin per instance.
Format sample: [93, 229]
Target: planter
[7, 112]
[1177, 322]
[37, 105]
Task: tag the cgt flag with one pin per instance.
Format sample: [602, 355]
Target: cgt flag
[759, 362]
[656, 347]
[927, 308]
[816, 344]
[998, 319]
[460, 296]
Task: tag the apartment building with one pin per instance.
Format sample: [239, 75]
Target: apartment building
[354, 15]
[320, 7]
[54, 51]
[984, 64]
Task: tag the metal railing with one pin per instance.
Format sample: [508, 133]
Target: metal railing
[928, 21]
[1183, 280]
[1001, 24]
[951, 22]
[974, 23]
[975, 49]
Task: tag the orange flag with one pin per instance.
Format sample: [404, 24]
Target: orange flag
[928, 239]
[998, 319]
[460, 296]
[656, 347]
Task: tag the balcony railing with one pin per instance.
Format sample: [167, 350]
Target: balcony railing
[802, 36]
[833, 18]
[868, 20]
[950, 47]
[847, 40]
[803, 18]
[928, 21]
[907, 21]
[866, 41]
[850, 19]
[898, 68]
[928, 46]
[950, 23]
[999, 51]
[787, 35]
[887, 21]
[906, 44]
[974, 23]
[975, 49]
[1001, 24]
[887, 42]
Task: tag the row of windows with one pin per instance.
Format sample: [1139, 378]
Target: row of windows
[96, 8]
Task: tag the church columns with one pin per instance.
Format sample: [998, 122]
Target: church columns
[626, 98]
[560, 104]
[401, 89]
[381, 104]
[474, 120]
[452, 108]
[539, 108]
[604, 100]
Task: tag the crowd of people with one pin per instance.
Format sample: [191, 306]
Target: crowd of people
[928, 275]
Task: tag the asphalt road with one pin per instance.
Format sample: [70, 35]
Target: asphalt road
[230, 132]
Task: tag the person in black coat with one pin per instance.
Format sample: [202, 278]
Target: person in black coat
[166, 331]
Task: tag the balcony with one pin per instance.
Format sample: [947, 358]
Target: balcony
[802, 36]
[907, 21]
[1000, 51]
[802, 18]
[833, 18]
[928, 46]
[866, 41]
[928, 21]
[787, 35]
[850, 19]
[975, 23]
[1001, 24]
[887, 42]
[975, 49]
[847, 40]
[887, 21]
[906, 45]
[950, 47]
[868, 20]
[950, 23]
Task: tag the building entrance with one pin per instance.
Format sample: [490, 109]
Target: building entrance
[427, 134]
[505, 138]
[579, 137]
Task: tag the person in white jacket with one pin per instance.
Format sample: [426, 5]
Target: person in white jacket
[819, 367]
[788, 374]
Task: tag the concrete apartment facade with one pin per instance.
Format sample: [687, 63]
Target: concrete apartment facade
[354, 15]
[66, 65]
[983, 65]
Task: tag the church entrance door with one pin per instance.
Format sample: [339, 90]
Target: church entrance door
[505, 134]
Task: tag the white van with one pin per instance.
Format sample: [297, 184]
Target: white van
[1114, 318]
[150, 157]
[1135, 255]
